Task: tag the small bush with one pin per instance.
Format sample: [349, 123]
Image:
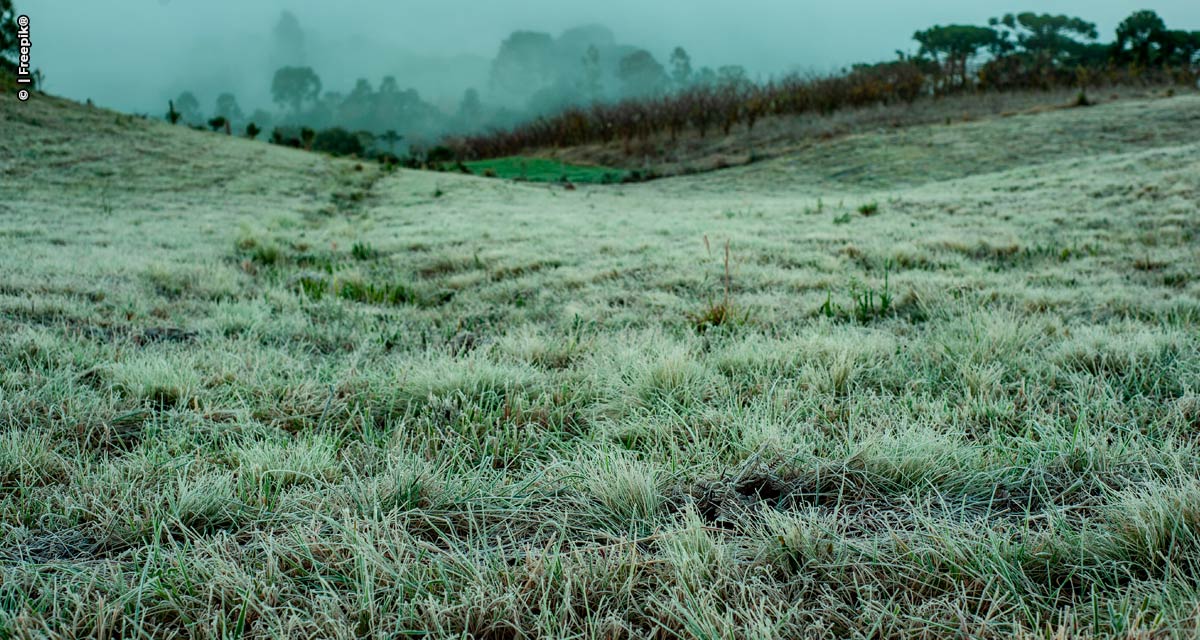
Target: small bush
[869, 304]
[371, 293]
[173, 116]
[261, 253]
[866, 303]
[338, 141]
[312, 285]
[287, 137]
[439, 155]
[266, 255]
[363, 251]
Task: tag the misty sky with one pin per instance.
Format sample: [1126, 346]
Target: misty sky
[132, 54]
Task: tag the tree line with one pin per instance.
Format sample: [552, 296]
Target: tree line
[534, 74]
[368, 118]
[583, 87]
[1013, 52]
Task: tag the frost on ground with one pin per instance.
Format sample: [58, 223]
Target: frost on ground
[940, 380]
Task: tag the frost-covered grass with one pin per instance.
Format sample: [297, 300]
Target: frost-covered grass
[249, 391]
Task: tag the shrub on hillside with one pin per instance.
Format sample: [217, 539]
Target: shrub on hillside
[287, 137]
[173, 116]
[702, 108]
[339, 142]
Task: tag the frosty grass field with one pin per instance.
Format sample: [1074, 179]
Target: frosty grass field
[939, 380]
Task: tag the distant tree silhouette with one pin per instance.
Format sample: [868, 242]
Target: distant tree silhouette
[1139, 38]
[9, 44]
[217, 123]
[289, 40]
[1046, 39]
[359, 106]
[227, 107]
[641, 75]
[524, 65]
[252, 131]
[593, 73]
[953, 46]
[389, 85]
[295, 86]
[366, 139]
[732, 75]
[263, 118]
[189, 107]
[681, 67]
[704, 77]
[1179, 48]
[470, 109]
[391, 138]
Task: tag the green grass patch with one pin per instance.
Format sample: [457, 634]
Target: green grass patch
[543, 170]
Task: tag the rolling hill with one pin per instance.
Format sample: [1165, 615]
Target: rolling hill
[941, 379]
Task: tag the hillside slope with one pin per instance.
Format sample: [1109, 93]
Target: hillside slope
[942, 380]
[809, 134]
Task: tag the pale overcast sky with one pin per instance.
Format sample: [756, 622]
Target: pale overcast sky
[128, 54]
